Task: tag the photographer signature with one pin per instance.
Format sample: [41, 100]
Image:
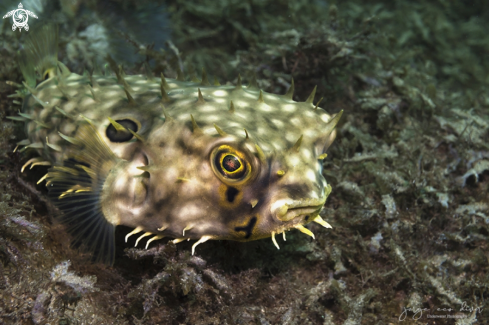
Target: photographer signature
[418, 312]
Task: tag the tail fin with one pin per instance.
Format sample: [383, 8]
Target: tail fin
[40, 54]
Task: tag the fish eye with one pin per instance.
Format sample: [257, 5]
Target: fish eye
[230, 165]
[118, 135]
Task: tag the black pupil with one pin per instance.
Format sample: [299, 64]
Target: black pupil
[230, 163]
[121, 136]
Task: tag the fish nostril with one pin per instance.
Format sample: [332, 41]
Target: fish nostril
[145, 159]
[141, 158]
[140, 162]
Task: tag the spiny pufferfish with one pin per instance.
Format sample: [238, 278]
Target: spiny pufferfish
[171, 158]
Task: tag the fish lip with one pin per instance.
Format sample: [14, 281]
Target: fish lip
[286, 210]
[293, 213]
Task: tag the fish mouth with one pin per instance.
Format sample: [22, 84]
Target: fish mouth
[286, 209]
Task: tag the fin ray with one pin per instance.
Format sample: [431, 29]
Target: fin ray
[40, 54]
[81, 211]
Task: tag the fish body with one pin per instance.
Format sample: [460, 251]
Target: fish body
[171, 158]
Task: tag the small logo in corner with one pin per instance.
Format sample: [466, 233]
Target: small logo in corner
[20, 17]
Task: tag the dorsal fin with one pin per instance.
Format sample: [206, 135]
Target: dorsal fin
[40, 54]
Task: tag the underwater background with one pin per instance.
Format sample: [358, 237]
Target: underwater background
[409, 168]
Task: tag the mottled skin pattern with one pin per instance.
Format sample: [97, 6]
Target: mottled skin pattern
[165, 180]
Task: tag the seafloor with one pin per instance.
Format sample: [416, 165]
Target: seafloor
[409, 168]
